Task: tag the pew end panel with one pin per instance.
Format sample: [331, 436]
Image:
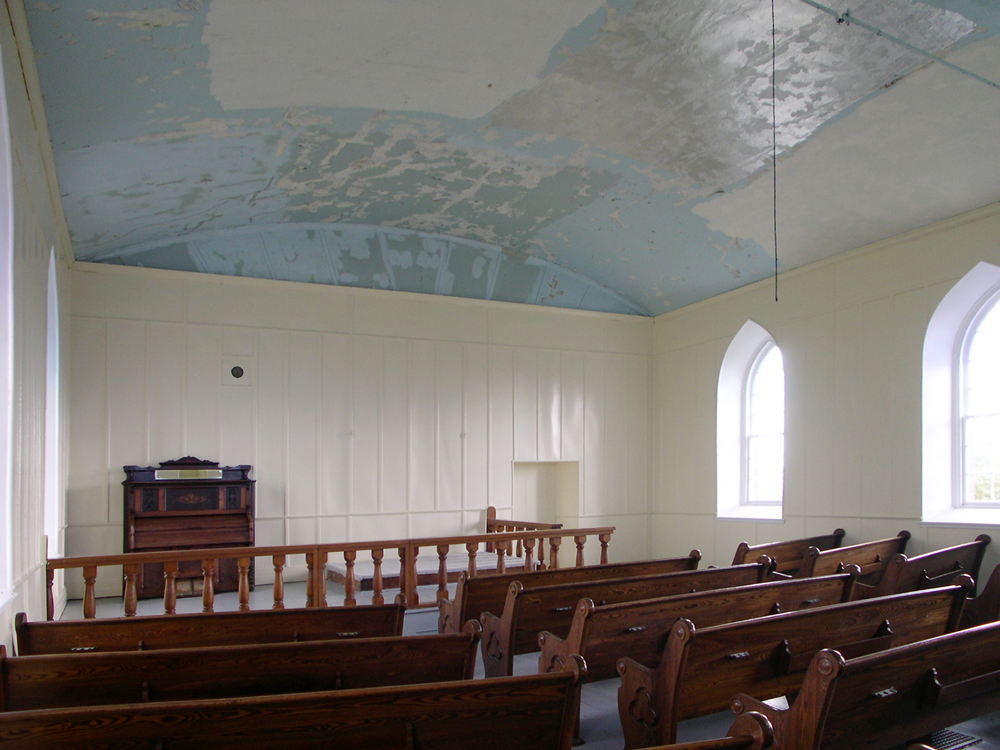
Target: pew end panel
[985, 608]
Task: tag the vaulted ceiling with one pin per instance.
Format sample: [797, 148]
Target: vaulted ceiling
[608, 155]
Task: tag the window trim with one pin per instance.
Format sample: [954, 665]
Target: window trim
[941, 417]
[731, 405]
[765, 348]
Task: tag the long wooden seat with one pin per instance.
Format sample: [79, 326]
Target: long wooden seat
[984, 608]
[893, 697]
[700, 670]
[531, 712]
[528, 611]
[870, 557]
[603, 634]
[787, 555]
[930, 570]
[214, 629]
[90, 679]
[487, 593]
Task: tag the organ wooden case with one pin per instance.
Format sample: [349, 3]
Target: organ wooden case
[187, 503]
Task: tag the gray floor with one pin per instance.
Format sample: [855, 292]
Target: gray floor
[600, 727]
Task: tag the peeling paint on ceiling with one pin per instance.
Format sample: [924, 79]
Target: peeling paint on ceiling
[606, 150]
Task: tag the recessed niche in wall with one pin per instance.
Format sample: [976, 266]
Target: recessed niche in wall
[547, 491]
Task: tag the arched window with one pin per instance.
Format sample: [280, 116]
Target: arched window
[52, 520]
[750, 427]
[961, 403]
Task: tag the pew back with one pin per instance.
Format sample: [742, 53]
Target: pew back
[214, 629]
[930, 570]
[701, 670]
[787, 555]
[527, 612]
[82, 679]
[870, 557]
[445, 716]
[474, 596]
[603, 634]
[891, 697]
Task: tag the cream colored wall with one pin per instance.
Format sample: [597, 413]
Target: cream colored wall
[851, 332]
[368, 415]
[38, 226]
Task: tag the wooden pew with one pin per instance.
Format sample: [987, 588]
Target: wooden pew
[487, 593]
[870, 557]
[91, 679]
[531, 712]
[900, 695]
[930, 570]
[700, 670]
[213, 629]
[603, 634]
[787, 555]
[527, 612]
[985, 607]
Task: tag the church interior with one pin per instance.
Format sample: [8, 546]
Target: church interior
[504, 254]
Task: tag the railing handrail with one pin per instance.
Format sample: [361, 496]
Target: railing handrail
[211, 553]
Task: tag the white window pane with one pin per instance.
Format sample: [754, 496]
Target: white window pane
[981, 411]
[765, 428]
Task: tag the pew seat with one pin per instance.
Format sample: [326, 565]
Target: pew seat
[870, 557]
[929, 570]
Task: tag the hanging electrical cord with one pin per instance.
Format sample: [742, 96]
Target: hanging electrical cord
[774, 144]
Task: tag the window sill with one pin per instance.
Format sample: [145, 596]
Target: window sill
[753, 513]
[965, 517]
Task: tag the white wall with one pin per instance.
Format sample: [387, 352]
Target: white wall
[38, 226]
[851, 331]
[368, 415]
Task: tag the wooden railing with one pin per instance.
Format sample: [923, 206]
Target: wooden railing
[499, 525]
[316, 556]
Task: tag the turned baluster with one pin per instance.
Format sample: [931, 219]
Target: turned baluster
[604, 539]
[320, 579]
[501, 561]
[170, 588]
[541, 553]
[208, 585]
[279, 582]
[50, 602]
[473, 549]
[554, 543]
[131, 597]
[580, 541]
[491, 517]
[442, 592]
[529, 553]
[520, 548]
[89, 597]
[408, 575]
[310, 583]
[243, 564]
[377, 598]
[350, 556]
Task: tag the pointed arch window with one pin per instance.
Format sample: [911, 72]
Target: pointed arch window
[979, 420]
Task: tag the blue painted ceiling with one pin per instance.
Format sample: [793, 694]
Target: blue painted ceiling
[610, 155]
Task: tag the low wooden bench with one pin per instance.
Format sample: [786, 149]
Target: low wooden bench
[603, 634]
[699, 671]
[487, 594]
[787, 555]
[930, 570]
[531, 712]
[893, 697]
[870, 557]
[985, 607]
[91, 679]
[213, 629]
[528, 611]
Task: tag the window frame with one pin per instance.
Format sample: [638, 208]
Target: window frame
[753, 370]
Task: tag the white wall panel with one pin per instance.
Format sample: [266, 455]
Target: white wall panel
[501, 416]
[128, 428]
[272, 415]
[450, 380]
[87, 483]
[367, 361]
[165, 393]
[305, 356]
[335, 415]
[571, 406]
[618, 428]
[423, 426]
[395, 424]
[525, 405]
[549, 406]
[876, 404]
[637, 387]
[595, 485]
[203, 392]
[475, 446]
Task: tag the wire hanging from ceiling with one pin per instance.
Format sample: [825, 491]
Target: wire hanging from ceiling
[774, 145]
